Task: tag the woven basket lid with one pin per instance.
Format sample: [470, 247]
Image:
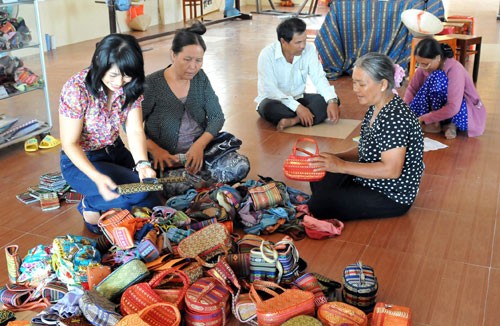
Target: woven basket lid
[421, 23]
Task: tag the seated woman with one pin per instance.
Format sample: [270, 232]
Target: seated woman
[384, 179]
[182, 116]
[442, 94]
[93, 105]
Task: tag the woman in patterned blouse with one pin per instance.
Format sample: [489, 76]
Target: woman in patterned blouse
[442, 93]
[183, 115]
[95, 106]
[382, 177]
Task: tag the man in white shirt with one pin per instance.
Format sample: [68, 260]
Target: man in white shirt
[283, 70]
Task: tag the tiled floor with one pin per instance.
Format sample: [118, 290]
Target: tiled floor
[442, 259]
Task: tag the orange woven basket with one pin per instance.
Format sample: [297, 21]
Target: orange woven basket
[158, 314]
[297, 167]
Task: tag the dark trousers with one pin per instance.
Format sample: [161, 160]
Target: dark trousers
[273, 110]
[116, 162]
[338, 196]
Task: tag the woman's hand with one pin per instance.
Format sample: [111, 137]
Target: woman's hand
[162, 158]
[194, 158]
[106, 187]
[327, 162]
[146, 172]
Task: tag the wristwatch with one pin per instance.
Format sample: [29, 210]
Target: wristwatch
[335, 100]
[142, 163]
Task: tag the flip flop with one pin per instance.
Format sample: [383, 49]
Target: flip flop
[31, 145]
[49, 142]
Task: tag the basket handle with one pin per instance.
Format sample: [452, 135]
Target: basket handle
[305, 139]
[361, 274]
[155, 281]
[165, 306]
[264, 286]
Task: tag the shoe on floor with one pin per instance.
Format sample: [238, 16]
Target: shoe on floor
[31, 145]
[49, 142]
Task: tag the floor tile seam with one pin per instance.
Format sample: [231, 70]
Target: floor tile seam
[49, 220]
[490, 269]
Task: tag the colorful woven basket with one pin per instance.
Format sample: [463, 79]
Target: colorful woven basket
[298, 167]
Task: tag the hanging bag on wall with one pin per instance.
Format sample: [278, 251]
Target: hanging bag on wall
[122, 5]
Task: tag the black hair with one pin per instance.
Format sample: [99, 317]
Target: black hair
[429, 48]
[378, 66]
[189, 36]
[289, 27]
[124, 51]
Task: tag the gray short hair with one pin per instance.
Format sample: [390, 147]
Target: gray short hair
[378, 66]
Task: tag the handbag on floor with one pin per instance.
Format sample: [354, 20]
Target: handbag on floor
[389, 314]
[206, 303]
[120, 279]
[339, 313]
[98, 310]
[158, 314]
[141, 295]
[284, 304]
[206, 243]
[360, 286]
[13, 263]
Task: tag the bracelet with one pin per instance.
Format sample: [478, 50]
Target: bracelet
[141, 164]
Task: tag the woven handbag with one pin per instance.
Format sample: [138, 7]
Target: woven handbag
[303, 320]
[297, 167]
[121, 278]
[360, 286]
[339, 313]
[111, 220]
[265, 196]
[388, 314]
[139, 296]
[158, 314]
[206, 302]
[264, 264]
[206, 243]
[288, 256]
[13, 262]
[98, 310]
[244, 309]
[282, 306]
[97, 273]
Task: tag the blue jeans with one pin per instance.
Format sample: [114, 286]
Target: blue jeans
[116, 162]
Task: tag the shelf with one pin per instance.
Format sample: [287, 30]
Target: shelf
[28, 46]
[44, 128]
[35, 105]
[30, 89]
[19, 2]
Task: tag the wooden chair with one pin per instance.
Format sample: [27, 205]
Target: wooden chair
[192, 6]
[464, 45]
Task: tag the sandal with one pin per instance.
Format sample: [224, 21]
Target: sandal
[49, 142]
[31, 145]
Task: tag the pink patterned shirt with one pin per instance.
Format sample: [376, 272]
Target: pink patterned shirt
[101, 125]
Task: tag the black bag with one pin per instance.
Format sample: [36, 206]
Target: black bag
[221, 145]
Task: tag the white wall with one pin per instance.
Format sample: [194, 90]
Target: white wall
[73, 21]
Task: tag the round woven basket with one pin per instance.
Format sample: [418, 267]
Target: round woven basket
[421, 23]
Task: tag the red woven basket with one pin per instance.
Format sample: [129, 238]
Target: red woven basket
[297, 167]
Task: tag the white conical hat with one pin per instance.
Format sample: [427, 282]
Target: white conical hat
[421, 23]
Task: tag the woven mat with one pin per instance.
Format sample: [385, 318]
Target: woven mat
[342, 129]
